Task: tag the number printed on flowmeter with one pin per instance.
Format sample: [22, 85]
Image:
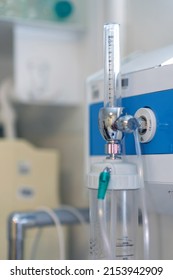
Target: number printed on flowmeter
[129, 270]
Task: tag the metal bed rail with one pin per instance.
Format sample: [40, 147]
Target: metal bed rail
[19, 222]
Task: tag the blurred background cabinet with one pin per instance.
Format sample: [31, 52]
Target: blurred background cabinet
[62, 13]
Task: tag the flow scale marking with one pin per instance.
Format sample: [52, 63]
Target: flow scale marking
[111, 63]
[110, 70]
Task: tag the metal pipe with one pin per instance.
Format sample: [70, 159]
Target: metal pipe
[18, 222]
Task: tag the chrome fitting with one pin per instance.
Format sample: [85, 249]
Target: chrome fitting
[107, 119]
[112, 125]
[113, 150]
[127, 124]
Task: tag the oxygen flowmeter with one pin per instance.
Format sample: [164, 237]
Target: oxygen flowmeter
[114, 183]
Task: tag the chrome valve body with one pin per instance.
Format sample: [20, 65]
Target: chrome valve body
[112, 125]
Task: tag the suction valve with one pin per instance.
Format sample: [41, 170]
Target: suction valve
[147, 124]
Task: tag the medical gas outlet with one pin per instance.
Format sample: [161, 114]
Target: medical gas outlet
[147, 124]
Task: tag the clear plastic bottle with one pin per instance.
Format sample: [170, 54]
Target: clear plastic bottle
[114, 219]
[124, 224]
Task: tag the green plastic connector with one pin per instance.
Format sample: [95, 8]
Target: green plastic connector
[104, 179]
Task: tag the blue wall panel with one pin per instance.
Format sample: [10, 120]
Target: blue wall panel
[161, 103]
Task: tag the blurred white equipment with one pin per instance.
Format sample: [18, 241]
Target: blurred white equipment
[29, 179]
[7, 112]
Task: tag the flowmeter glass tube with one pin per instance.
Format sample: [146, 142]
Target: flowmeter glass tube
[112, 87]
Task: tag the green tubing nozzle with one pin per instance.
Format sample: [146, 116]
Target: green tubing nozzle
[104, 179]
